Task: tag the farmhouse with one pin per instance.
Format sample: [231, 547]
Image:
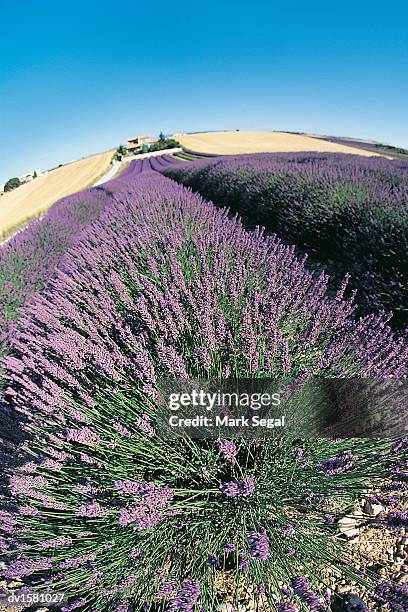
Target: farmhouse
[30, 176]
[135, 145]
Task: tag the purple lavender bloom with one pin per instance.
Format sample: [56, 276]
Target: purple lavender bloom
[338, 464]
[243, 563]
[135, 554]
[285, 605]
[55, 542]
[287, 529]
[148, 492]
[86, 489]
[384, 500]
[141, 517]
[121, 429]
[167, 588]
[395, 485]
[301, 588]
[259, 545]
[230, 489]
[399, 475]
[229, 548]
[41, 246]
[75, 562]
[394, 596]
[187, 597]
[84, 435]
[144, 424]
[239, 488]
[151, 500]
[7, 522]
[74, 605]
[91, 510]
[298, 454]
[29, 510]
[395, 519]
[227, 449]
[29, 486]
[26, 567]
[400, 445]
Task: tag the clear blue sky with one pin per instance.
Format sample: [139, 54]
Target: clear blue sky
[78, 77]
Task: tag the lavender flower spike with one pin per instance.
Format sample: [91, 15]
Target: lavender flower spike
[187, 597]
[259, 545]
[338, 464]
[227, 449]
[301, 588]
[239, 488]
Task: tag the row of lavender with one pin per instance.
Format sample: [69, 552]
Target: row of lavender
[28, 260]
[164, 284]
[349, 213]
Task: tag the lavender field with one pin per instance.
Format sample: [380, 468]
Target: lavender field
[142, 278]
[348, 213]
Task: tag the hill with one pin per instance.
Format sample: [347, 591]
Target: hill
[32, 199]
[229, 143]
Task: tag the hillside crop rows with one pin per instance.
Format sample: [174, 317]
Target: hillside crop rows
[348, 213]
[139, 279]
[240, 141]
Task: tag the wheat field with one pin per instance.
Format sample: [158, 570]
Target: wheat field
[229, 143]
[32, 199]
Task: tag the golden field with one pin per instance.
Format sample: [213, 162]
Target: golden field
[229, 143]
[32, 199]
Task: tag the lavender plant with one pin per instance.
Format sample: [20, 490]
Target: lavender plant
[164, 284]
[28, 259]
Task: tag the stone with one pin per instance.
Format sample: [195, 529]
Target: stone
[348, 527]
[372, 509]
[343, 588]
[348, 603]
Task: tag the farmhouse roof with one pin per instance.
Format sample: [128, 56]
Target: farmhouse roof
[141, 139]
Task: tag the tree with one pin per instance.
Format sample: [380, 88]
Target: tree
[12, 184]
[161, 137]
[122, 150]
[35, 174]
[165, 143]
